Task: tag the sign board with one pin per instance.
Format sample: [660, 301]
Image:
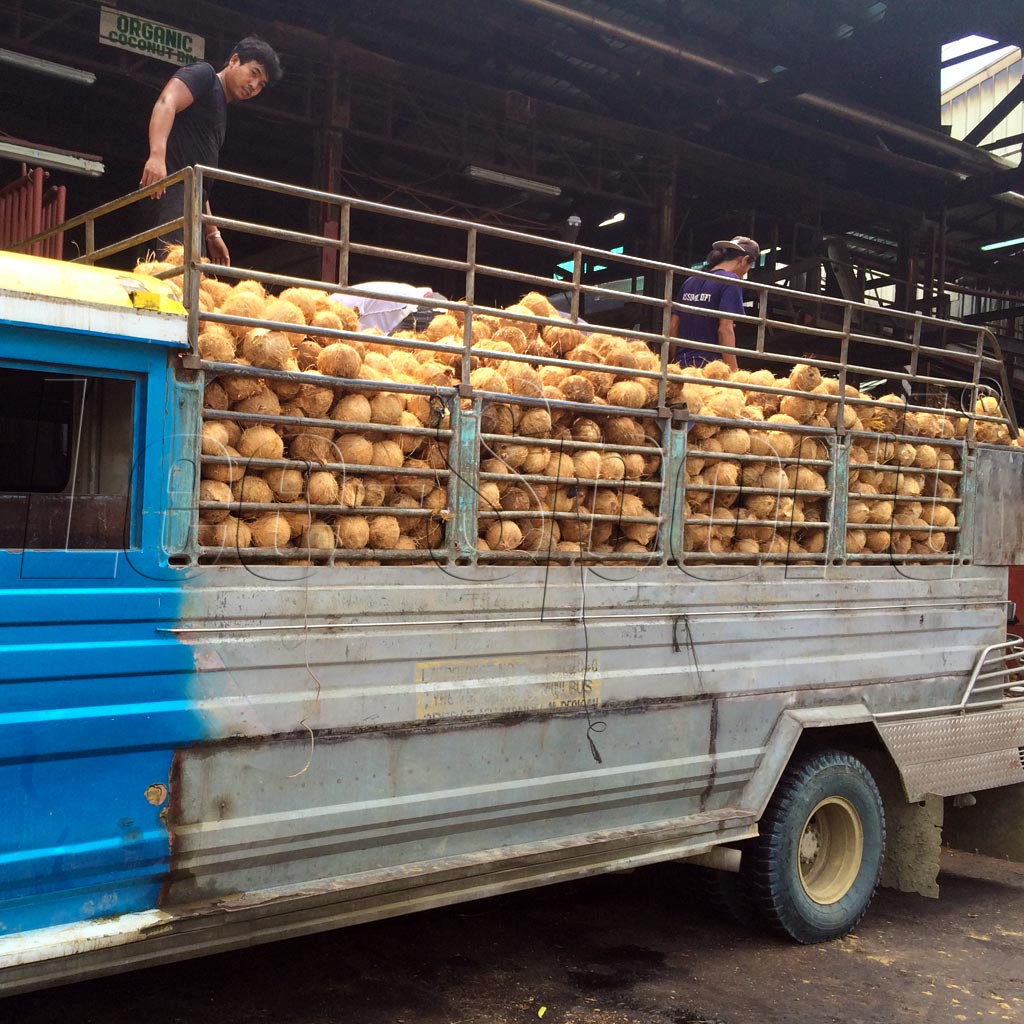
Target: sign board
[150, 38]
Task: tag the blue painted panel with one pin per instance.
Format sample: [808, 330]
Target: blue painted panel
[93, 690]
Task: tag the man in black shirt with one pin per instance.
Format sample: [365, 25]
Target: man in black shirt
[188, 125]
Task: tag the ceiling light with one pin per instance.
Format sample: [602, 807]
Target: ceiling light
[512, 181]
[46, 67]
[616, 218]
[1002, 245]
[53, 158]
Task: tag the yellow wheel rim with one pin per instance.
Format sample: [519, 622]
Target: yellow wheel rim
[831, 850]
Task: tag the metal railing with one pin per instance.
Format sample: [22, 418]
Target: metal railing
[909, 352]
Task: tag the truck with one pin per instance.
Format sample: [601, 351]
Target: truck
[441, 632]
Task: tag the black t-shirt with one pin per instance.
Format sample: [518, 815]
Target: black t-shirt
[198, 131]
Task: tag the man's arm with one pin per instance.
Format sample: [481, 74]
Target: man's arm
[175, 97]
[216, 247]
[727, 336]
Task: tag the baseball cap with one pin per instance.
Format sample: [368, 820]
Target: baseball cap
[742, 244]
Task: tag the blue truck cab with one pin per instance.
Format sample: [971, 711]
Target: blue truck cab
[95, 428]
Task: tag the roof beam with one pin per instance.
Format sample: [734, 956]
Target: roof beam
[996, 115]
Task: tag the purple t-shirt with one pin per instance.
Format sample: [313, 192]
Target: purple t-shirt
[705, 293]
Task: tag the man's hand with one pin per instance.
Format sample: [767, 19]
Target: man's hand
[217, 250]
[154, 171]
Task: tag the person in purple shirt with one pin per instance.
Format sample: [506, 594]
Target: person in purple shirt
[730, 261]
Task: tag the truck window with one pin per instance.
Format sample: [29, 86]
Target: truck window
[66, 443]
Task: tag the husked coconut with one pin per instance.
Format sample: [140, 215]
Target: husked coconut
[386, 407]
[339, 360]
[225, 472]
[322, 488]
[271, 530]
[314, 444]
[353, 532]
[535, 423]
[355, 449]
[487, 378]
[384, 532]
[318, 535]
[355, 492]
[242, 302]
[283, 311]
[228, 534]
[252, 489]
[286, 484]
[315, 400]
[214, 437]
[628, 393]
[260, 443]
[352, 409]
[216, 344]
[262, 401]
[270, 350]
[214, 490]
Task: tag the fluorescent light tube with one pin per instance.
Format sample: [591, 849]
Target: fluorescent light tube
[1002, 245]
[615, 218]
[46, 67]
[51, 158]
[512, 181]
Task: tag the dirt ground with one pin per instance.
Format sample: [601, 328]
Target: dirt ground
[624, 949]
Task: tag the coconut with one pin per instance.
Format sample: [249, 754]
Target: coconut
[562, 339]
[623, 430]
[268, 349]
[216, 344]
[225, 472]
[384, 532]
[352, 409]
[612, 467]
[339, 360]
[586, 464]
[322, 488]
[539, 534]
[286, 312]
[352, 532]
[388, 453]
[577, 388]
[214, 490]
[355, 450]
[262, 401]
[318, 535]
[314, 444]
[271, 530]
[215, 437]
[386, 407]
[243, 302]
[629, 393]
[260, 442]
[535, 423]
[489, 496]
[253, 489]
[228, 533]
[285, 484]
[522, 379]
[725, 402]
[215, 397]
[355, 492]
[487, 378]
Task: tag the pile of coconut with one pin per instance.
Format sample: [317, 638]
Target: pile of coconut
[554, 480]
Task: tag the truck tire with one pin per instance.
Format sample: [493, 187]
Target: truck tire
[814, 868]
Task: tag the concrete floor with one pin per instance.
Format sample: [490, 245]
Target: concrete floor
[627, 949]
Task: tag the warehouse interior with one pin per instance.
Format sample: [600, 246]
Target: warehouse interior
[649, 126]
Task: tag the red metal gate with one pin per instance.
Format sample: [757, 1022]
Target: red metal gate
[27, 207]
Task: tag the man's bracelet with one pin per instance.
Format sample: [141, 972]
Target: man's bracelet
[213, 234]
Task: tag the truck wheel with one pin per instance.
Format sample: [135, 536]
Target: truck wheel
[814, 868]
